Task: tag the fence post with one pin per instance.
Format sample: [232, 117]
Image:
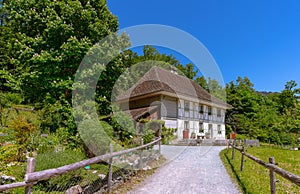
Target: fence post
[232, 153]
[30, 169]
[141, 154]
[109, 181]
[243, 159]
[272, 177]
[159, 142]
[227, 145]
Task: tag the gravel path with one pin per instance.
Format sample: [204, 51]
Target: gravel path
[189, 170]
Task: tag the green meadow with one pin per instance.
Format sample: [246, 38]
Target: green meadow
[255, 178]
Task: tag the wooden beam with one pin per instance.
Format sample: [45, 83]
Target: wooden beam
[46, 174]
[285, 174]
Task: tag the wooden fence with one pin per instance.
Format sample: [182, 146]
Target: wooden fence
[31, 177]
[271, 166]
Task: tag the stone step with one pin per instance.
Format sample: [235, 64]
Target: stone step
[193, 142]
[207, 142]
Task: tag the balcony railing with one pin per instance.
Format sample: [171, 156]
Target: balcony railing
[202, 116]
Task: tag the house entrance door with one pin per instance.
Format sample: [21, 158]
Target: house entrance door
[186, 130]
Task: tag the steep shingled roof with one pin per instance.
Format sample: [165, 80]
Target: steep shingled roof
[161, 80]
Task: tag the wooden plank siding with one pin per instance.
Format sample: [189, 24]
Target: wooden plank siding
[169, 108]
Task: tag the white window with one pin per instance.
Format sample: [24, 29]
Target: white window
[209, 110]
[219, 130]
[201, 127]
[219, 112]
[201, 109]
[186, 125]
[186, 105]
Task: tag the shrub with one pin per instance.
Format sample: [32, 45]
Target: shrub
[167, 134]
[94, 136]
[148, 136]
[6, 101]
[23, 133]
[23, 130]
[8, 153]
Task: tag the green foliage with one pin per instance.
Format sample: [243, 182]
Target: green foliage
[167, 134]
[50, 40]
[57, 159]
[23, 133]
[270, 118]
[46, 144]
[94, 136]
[202, 82]
[148, 136]
[150, 130]
[123, 127]
[58, 118]
[9, 153]
[7, 100]
[23, 130]
[189, 70]
[122, 121]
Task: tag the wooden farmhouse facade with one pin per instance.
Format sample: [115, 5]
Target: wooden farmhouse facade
[177, 100]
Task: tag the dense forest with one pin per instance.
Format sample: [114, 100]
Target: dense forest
[42, 46]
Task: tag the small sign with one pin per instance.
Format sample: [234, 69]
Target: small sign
[232, 135]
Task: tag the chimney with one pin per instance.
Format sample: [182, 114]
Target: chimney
[173, 70]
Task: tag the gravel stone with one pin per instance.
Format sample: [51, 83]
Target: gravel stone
[189, 170]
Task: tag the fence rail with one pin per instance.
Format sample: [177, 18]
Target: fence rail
[32, 177]
[271, 166]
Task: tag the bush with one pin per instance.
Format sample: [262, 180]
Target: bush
[8, 153]
[148, 136]
[150, 130]
[58, 118]
[58, 115]
[167, 134]
[45, 144]
[94, 136]
[23, 132]
[6, 102]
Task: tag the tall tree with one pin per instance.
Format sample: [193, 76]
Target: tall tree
[241, 95]
[202, 82]
[288, 98]
[188, 70]
[51, 39]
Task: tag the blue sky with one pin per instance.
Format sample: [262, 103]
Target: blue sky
[257, 39]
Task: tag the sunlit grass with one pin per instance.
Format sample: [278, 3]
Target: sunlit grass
[255, 178]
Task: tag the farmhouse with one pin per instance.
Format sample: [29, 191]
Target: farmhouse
[177, 100]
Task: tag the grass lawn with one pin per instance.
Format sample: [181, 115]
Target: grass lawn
[255, 178]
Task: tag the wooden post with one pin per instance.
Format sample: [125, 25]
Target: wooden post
[243, 158]
[159, 143]
[227, 143]
[109, 181]
[141, 155]
[232, 153]
[30, 169]
[272, 177]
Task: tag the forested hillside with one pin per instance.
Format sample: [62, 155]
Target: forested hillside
[273, 118]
